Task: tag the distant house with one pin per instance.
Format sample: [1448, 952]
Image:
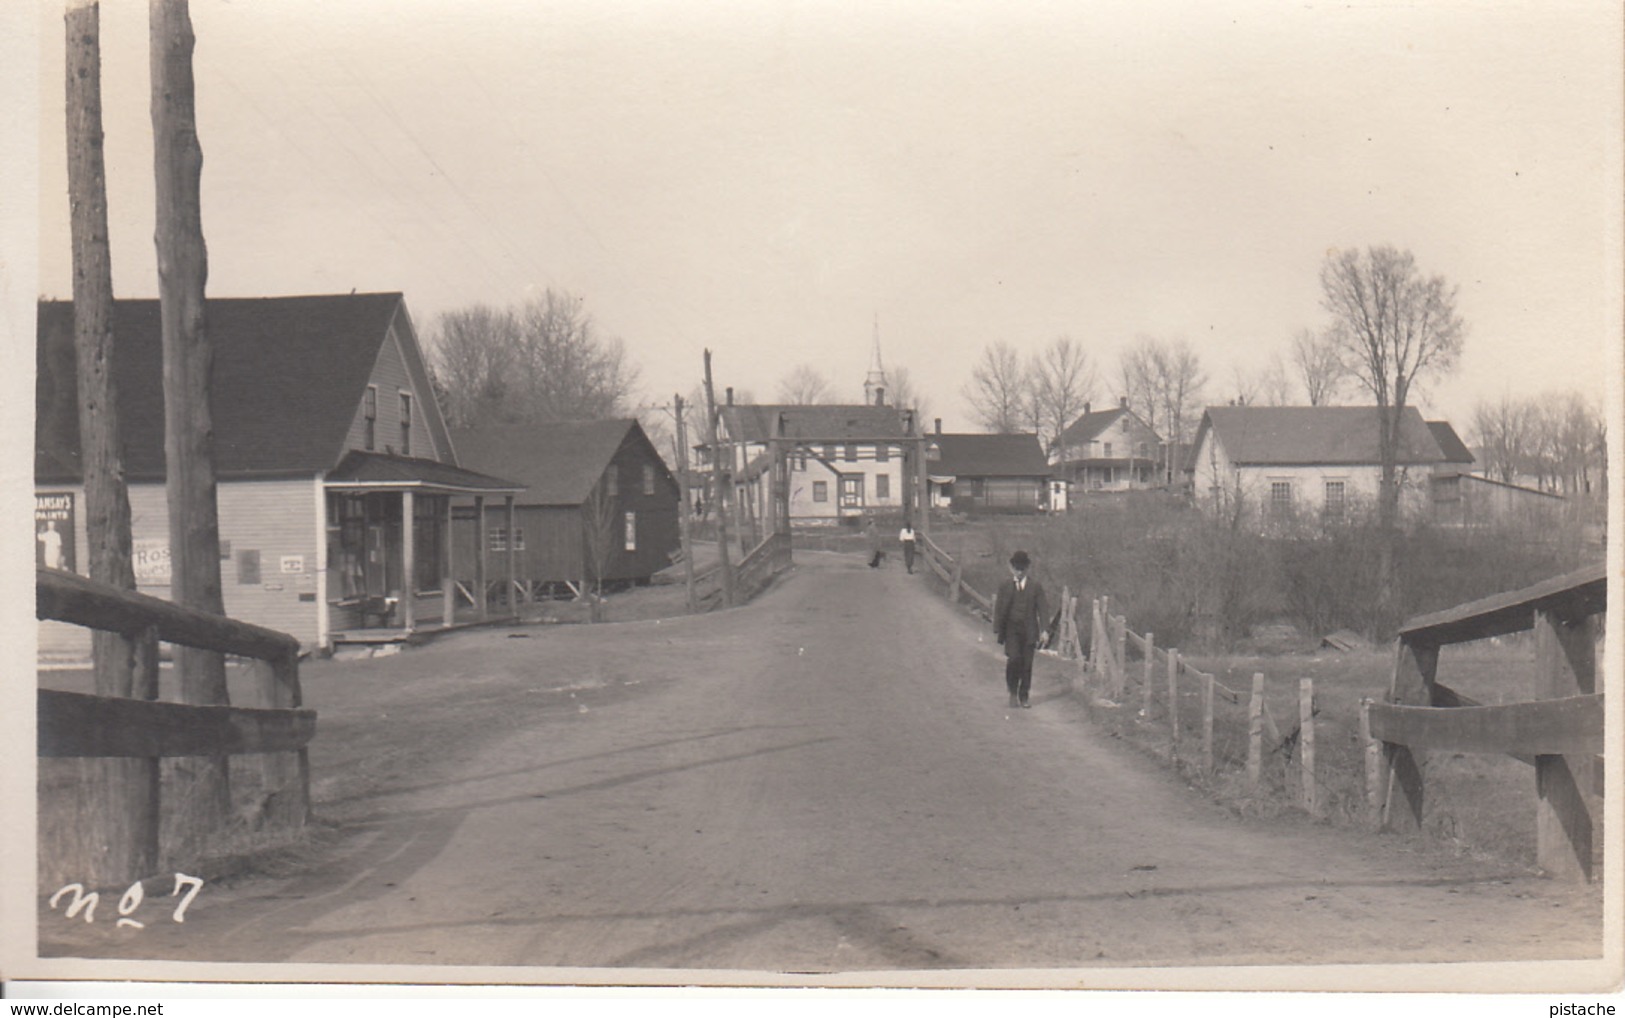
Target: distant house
[986, 473]
[1107, 450]
[1289, 461]
[583, 481]
[844, 461]
[335, 469]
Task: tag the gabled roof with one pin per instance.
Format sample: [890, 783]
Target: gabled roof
[756, 422]
[1090, 425]
[974, 455]
[1311, 435]
[1450, 443]
[557, 462]
[383, 470]
[287, 377]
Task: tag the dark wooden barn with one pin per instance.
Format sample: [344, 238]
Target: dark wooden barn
[592, 489]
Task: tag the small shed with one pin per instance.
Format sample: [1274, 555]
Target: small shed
[987, 473]
[592, 489]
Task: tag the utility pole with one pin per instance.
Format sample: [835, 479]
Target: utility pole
[682, 501]
[719, 497]
[183, 269]
[126, 789]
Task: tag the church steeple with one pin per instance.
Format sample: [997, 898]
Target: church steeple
[874, 383]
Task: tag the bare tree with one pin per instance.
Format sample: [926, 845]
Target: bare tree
[1244, 387]
[997, 390]
[904, 395]
[544, 361]
[1503, 430]
[1274, 384]
[472, 363]
[804, 385]
[1164, 382]
[599, 530]
[1394, 326]
[1316, 358]
[1062, 380]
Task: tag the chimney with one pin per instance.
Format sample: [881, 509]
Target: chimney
[730, 395]
[1086, 408]
[939, 425]
[1122, 401]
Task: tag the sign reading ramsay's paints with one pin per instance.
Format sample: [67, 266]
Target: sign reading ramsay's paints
[53, 529]
[150, 557]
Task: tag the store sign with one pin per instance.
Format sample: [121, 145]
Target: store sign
[150, 557]
[53, 530]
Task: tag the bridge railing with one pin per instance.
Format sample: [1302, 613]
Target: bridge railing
[952, 572]
[771, 556]
[124, 846]
[1559, 730]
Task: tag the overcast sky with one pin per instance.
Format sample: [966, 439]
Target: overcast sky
[765, 178]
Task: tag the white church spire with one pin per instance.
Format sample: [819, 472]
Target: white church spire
[874, 383]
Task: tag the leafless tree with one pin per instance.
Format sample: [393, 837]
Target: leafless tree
[804, 385]
[1320, 368]
[1062, 380]
[1165, 385]
[1274, 384]
[904, 395]
[997, 390]
[543, 361]
[599, 531]
[1503, 430]
[1393, 327]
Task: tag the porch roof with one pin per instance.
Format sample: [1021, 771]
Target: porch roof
[372, 470]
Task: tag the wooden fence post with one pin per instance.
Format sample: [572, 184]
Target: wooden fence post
[953, 584]
[1173, 702]
[1146, 673]
[1122, 652]
[1207, 723]
[285, 776]
[1306, 742]
[1255, 733]
[1565, 665]
[1373, 764]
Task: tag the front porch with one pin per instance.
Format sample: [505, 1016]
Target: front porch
[391, 569]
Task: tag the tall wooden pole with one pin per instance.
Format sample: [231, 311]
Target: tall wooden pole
[719, 497]
[682, 501]
[126, 790]
[183, 269]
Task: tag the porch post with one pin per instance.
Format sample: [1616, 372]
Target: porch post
[448, 575]
[510, 596]
[408, 559]
[479, 556]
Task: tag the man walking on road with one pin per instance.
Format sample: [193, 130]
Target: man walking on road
[1019, 613]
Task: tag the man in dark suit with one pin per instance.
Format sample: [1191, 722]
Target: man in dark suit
[1020, 612]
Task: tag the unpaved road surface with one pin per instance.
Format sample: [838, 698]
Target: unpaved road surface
[825, 781]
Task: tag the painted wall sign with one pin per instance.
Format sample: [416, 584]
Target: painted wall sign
[53, 530]
[150, 557]
[293, 563]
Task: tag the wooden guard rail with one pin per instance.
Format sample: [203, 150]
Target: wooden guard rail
[1559, 730]
[751, 576]
[87, 726]
[953, 574]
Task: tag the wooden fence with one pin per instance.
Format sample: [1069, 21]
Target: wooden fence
[125, 847]
[751, 576]
[952, 573]
[1559, 730]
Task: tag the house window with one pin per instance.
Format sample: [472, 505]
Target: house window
[406, 424]
[820, 491]
[346, 544]
[428, 541]
[1335, 494]
[1145, 450]
[631, 531]
[1108, 454]
[1447, 488]
[648, 479]
[612, 481]
[369, 413]
[882, 453]
[799, 460]
[882, 486]
[851, 453]
[1280, 498]
[851, 491]
[496, 538]
[829, 452]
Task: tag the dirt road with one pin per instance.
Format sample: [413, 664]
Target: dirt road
[825, 781]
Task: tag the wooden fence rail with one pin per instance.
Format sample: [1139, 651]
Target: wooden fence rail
[771, 556]
[952, 573]
[86, 726]
[1559, 730]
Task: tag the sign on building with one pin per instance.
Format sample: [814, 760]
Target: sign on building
[53, 530]
[150, 557]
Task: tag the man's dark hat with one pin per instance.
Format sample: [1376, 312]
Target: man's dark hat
[1020, 560]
